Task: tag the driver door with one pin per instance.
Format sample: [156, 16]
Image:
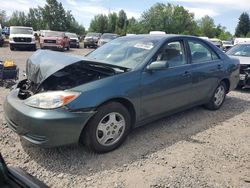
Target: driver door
[170, 88]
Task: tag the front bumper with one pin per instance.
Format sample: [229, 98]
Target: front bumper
[47, 128]
[90, 43]
[51, 46]
[22, 45]
[74, 44]
[244, 75]
[244, 80]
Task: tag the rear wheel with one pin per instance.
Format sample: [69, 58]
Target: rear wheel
[107, 129]
[218, 97]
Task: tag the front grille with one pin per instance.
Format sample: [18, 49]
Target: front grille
[49, 41]
[21, 39]
[244, 69]
[73, 40]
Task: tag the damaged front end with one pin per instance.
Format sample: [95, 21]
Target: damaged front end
[53, 71]
[244, 75]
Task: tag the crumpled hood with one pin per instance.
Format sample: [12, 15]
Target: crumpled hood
[243, 60]
[44, 63]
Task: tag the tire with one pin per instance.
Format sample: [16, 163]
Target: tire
[12, 48]
[68, 48]
[33, 48]
[104, 133]
[218, 97]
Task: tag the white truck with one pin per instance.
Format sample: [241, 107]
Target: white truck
[22, 37]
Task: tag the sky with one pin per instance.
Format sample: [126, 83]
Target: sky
[224, 12]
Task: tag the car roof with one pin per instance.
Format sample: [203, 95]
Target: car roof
[159, 36]
[21, 27]
[246, 42]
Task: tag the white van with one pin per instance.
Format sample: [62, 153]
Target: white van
[241, 40]
[157, 32]
[22, 37]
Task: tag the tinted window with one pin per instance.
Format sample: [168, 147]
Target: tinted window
[200, 52]
[173, 53]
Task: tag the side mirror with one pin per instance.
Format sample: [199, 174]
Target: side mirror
[157, 65]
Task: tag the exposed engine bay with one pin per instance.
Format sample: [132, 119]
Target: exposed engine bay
[69, 77]
[53, 71]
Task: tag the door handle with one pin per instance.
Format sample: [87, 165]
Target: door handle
[186, 74]
[219, 67]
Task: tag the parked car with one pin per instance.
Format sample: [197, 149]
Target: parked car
[128, 82]
[13, 177]
[91, 39]
[226, 45]
[216, 42]
[6, 31]
[241, 40]
[74, 40]
[157, 32]
[22, 37]
[106, 37]
[242, 52]
[54, 40]
[1, 40]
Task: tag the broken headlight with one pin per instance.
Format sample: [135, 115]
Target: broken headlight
[51, 100]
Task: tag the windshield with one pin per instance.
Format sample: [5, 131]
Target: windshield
[93, 35]
[28, 31]
[126, 52]
[240, 50]
[108, 36]
[71, 35]
[53, 34]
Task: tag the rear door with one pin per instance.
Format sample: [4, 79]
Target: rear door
[207, 69]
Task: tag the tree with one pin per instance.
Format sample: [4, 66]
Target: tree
[35, 19]
[207, 27]
[18, 18]
[133, 26]
[168, 18]
[99, 24]
[3, 18]
[52, 16]
[121, 23]
[112, 20]
[243, 26]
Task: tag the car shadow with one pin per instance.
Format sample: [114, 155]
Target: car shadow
[141, 142]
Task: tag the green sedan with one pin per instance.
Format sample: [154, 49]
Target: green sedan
[97, 99]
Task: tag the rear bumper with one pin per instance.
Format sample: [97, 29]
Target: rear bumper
[47, 128]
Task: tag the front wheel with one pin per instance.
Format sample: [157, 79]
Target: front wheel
[107, 129]
[218, 97]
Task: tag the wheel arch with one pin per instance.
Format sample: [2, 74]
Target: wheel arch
[227, 82]
[127, 104]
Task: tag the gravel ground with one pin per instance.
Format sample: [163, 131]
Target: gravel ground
[195, 148]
